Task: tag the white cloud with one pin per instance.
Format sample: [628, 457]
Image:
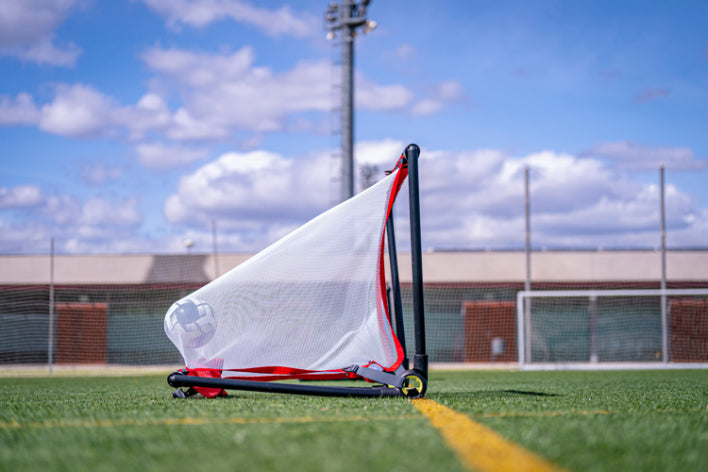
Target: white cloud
[226, 91]
[97, 215]
[45, 52]
[426, 106]
[438, 96]
[99, 173]
[23, 238]
[470, 199]
[631, 156]
[219, 95]
[199, 13]
[27, 31]
[62, 210]
[80, 110]
[93, 225]
[151, 113]
[378, 153]
[31, 218]
[18, 111]
[185, 126]
[475, 199]
[404, 51]
[692, 234]
[19, 197]
[257, 195]
[158, 156]
[77, 111]
[376, 97]
[200, 70]
[450, 90]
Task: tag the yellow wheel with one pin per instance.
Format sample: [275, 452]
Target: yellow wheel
[414, 384]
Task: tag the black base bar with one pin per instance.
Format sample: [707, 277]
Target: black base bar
[178, 380]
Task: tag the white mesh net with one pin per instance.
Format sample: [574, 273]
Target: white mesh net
[313, 300]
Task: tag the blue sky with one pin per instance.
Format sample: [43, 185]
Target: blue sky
[130, 126]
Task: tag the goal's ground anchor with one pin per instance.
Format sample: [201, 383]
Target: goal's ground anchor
[394, 380]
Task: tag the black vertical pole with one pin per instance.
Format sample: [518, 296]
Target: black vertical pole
[396, 288]
[347, 99]
[420, 358]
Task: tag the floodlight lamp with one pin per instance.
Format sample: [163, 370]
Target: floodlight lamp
[369, 26]
[330, 35]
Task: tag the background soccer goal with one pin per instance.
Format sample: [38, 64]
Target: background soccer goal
[598, 329]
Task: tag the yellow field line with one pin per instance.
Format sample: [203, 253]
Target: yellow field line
[479, 448]
[14, 424]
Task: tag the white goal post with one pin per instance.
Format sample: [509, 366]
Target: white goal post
[612, 329]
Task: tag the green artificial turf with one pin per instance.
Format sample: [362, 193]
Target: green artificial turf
[593, 421]
[644, 420]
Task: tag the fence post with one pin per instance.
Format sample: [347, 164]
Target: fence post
[50, 338]
[664, 314]
[527, 281]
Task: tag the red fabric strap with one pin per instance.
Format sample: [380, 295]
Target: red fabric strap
[205, 391]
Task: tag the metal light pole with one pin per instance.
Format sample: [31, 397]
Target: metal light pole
[346, 17]
[664, 312]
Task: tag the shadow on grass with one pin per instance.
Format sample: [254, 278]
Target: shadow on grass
[536, 394]
[478, 394]
[492, 394]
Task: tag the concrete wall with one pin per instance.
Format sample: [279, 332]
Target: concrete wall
[438, 267]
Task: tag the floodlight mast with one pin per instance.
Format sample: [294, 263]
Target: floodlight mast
[346, 17]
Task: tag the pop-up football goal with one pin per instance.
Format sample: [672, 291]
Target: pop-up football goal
[314, 305]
